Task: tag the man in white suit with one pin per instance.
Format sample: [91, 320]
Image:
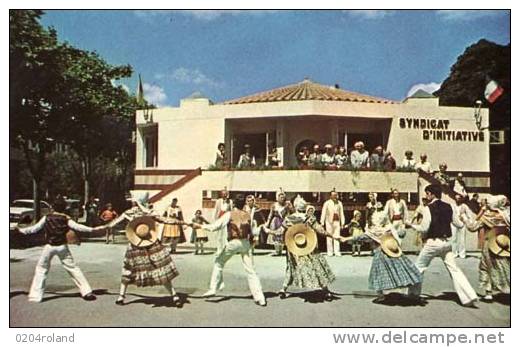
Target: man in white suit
[333, 219]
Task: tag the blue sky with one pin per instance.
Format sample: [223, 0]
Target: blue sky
[227, 54]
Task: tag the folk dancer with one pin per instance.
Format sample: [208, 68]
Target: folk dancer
[237, 225]
[333, 219]
[459, 234]
[55, 226]
[495, 263]
[356, 230]
[416, 219]
[173, 232]
[147, 262]
[390, 268]
[435, 226]
[311, 270]
[199, 236]
[279, 210]
[223, 204]
[397, 210]
[257, 219]
[370, 208]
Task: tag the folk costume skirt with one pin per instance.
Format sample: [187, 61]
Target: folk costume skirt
[310, 271]
[494, 272]
[148, 266]
[198, 235]
[389, 273]
[274, 225]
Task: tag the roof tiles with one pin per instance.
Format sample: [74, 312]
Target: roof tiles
[308, 90]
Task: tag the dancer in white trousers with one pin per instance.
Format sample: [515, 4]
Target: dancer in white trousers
[237, 224]
[55, 226]
[333, 219]
[459, 234]
[436, 228]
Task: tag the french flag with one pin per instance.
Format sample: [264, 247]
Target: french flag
[493, 91]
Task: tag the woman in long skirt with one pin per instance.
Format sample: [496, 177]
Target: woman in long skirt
[279, 210]
[495, 263]
[390, 268]
[147, 262]
[309, 271]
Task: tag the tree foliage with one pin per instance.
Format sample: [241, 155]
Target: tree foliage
[63, 95]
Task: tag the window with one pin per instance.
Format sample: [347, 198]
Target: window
[496, 137]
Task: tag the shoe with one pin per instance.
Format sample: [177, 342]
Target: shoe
[261, 303]
[89, 297]
[417, 300]
[120, 301]
[471, 304]
[209, 294]
[329, 296]
[379, 300]
[487, 297]
[176, 301]
[337, 255]
[35, 300]
[282, 294]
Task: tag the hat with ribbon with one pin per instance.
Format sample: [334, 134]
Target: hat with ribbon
[300, 240]
[141, 231]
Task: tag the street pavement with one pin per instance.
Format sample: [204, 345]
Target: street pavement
[234, 307]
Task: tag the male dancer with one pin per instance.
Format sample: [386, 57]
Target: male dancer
[55, 226]
[436, 226]
[237, 223]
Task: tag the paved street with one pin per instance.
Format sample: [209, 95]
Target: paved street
[352, 307]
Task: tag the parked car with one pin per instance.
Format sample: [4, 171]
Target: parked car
[74, 209]
[22, 212]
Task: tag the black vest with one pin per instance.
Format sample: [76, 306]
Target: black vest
[440, 226]
[56, 228]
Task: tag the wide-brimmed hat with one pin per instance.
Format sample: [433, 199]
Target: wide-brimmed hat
[390, 246]
[141, 231]
[300, 240]
[500, 244]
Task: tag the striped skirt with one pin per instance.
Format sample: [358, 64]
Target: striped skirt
[389, 273]
[149, 266]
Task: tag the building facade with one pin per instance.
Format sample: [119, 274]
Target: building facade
[176, 146]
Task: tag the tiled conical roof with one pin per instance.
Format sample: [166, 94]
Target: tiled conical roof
[308, 90]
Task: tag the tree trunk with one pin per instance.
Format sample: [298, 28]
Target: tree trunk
[36, 198]
[86, 175]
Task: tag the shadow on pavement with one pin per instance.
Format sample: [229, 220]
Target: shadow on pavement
[96, 292]
[221, 298]
[163, 301]
[398, 299]
[504, 299]
[16, 293]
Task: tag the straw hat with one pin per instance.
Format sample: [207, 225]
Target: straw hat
[500, 244]
[300, 240]
[141, 231]
[390, 246]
